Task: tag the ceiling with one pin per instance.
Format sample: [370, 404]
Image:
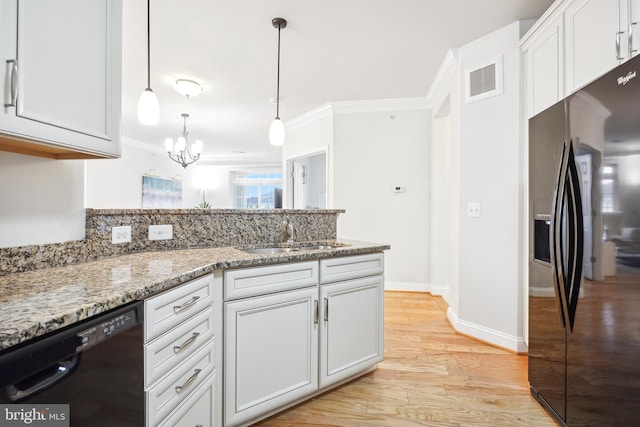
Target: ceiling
[331, 50]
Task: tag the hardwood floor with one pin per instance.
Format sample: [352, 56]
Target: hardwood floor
[430, 377]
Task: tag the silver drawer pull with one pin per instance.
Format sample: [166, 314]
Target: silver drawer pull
[179, 308]
[178, 348]
[187, 383]
[14, 82]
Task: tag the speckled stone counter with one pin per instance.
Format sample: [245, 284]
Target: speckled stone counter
[192, 228]
[37, 302]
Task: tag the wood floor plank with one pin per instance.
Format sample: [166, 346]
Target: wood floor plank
[431, 376]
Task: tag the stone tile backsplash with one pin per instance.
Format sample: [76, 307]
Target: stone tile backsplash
[192, 228]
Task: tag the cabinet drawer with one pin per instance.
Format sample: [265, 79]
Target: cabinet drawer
[166, 310]
[247, 282]
[351, 267]
[165, 352]
[165, 396]
[198, 409]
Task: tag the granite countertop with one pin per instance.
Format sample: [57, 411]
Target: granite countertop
[37, 302]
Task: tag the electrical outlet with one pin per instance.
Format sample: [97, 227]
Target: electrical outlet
[121, 234]
[473, 210]
[161, 232]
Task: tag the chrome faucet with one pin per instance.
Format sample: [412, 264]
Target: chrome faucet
[288, 231]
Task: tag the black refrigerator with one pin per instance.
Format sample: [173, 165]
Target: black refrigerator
[584, 253]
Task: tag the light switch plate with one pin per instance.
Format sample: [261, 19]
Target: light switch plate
[121, 234]
[473, 210]
[161, 232]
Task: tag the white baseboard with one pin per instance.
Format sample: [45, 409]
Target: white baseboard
[406, 286]
[491, 336]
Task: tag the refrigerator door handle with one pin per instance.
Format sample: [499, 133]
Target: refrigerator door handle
[567, 236]
[558, 266]
[575, 236]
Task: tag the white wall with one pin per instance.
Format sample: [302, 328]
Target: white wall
[117, 183]
[41, 200]
[491, 173]
[374, 151]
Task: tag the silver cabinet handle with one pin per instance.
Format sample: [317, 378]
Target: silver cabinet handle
[188, 382]
[631, 49]
[326, 309]
[186, 305]
[178, 348]
[316, 312]
[14, 82]
[618, 56]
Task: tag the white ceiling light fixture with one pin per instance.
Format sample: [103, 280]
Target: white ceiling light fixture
[180, 152]
[276, 131]
[188, 88]
[148, 106]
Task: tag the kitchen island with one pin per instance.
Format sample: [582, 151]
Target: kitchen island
[243, 305]
[38, 302]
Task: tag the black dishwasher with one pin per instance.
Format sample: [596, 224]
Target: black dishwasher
[95, 366]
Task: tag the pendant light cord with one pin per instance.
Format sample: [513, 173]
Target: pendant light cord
[278, 80]
[148, 44]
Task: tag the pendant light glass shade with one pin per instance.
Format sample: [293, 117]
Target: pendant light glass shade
[148, 108]
[276, 132]
[148, 105]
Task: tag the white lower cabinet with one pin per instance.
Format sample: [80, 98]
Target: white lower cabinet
[286, 346]
[196, 410]
[271, 353]
[183, 352]
[352, 328]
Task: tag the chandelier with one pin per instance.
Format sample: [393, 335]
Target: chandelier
[181, 152]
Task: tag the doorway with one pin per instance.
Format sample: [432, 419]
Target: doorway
[307, 178]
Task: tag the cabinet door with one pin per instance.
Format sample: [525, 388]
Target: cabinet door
[633, 14]
[352, 335]
[198, 409]
[545, 68]
[271, 352]
[67, 73]
[596, 39]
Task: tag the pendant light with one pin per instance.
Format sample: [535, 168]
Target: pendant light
[148, 106]
[276, 131]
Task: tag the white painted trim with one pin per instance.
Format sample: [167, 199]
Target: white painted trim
[304, 119]
[381, 105]
[491, 336]
[441, 86]
[556, 9]
[406, 286]
[441, 290]
[361, 106]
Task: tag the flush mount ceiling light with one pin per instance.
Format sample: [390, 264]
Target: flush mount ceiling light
[180, 152]
[276, 131]
[148, 106]
[188, 87]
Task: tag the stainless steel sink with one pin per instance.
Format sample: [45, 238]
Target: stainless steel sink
[267, 251]
[315, 247]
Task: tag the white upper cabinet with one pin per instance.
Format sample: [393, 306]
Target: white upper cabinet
[61, 71]
[545, 67]
[599, 37]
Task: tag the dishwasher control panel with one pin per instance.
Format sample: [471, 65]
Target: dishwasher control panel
[107, 328]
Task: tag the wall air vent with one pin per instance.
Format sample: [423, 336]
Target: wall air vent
[483, 81]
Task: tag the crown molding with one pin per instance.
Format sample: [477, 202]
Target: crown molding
[322, 112]
[381, 105]
[441, 85]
